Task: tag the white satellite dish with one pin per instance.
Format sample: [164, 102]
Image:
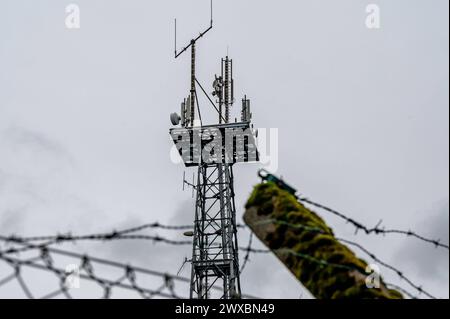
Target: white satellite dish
[175, 118]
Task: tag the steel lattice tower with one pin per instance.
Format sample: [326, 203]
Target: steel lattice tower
[215, 248]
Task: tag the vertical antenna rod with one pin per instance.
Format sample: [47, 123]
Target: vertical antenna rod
[192, 82]
[228, 86]
[193, 57]
[227, 91]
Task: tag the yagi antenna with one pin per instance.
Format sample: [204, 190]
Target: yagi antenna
[190, 106]
[193, 41]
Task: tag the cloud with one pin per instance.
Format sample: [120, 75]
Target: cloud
[33, 141]
[38, 183]
[27, 152]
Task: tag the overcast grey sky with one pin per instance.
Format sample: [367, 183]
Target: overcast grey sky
[362, 117]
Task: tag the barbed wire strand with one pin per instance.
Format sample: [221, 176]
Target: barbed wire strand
[388, 266]
[58, 239]
[248, 251]
[109, 235]
[115, 235]
[355, 244]
[373, 230]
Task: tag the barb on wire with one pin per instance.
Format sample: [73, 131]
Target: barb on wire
[374, 230]
[255, 251]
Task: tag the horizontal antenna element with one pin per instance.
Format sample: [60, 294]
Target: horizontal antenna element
[193, 41]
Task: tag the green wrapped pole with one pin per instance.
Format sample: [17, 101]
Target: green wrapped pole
[308, 247]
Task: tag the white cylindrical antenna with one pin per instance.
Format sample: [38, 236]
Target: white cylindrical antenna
[246, 114]
[188, 111]
[183, 113]
[232, 83]
[227, 89]
[248, 111]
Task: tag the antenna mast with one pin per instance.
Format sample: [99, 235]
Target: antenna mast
[215, 247]
[192, 44]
